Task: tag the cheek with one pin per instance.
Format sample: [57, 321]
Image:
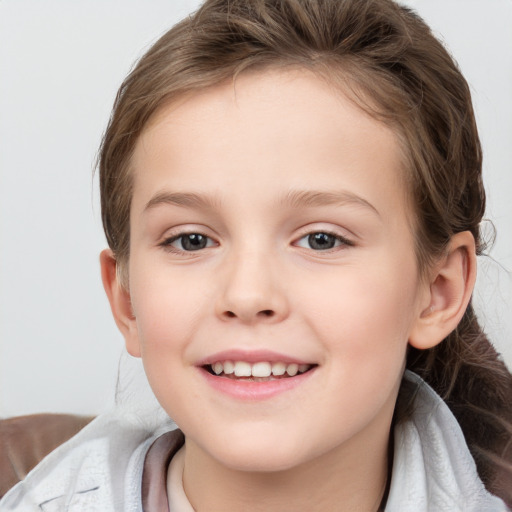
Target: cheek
[362, 311]
[166, 305]
[170, 310]
[165, 323]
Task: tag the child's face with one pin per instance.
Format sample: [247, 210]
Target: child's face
[269, 225]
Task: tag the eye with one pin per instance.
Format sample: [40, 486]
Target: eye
[188, 242]
[321, 241]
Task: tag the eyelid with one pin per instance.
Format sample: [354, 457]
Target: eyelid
[175, 234]
[309, 230]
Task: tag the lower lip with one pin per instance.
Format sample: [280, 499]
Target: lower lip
[251, 390]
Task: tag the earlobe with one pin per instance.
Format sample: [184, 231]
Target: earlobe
[451, 286]
[120, 302]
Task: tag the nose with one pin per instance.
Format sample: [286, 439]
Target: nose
[251, 290]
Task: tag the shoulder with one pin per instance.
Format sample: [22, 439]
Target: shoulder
[433, 470]
[98, 469]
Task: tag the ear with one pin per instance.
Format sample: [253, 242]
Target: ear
[120, 302]
[450, 288]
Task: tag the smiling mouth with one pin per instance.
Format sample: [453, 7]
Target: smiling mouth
[256, 372]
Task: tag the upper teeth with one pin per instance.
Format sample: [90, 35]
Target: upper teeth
[259, 369]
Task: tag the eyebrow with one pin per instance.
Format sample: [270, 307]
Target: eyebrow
[296, 199]
[311, 198]
[184, 199]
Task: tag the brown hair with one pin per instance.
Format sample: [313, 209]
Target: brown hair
[388, 61]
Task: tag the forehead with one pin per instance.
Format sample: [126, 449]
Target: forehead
[292, 124]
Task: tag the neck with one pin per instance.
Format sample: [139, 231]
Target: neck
[349, 478]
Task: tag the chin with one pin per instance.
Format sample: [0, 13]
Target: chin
[260, 455]
[258, 462]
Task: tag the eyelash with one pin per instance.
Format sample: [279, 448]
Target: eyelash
[338, 239]
[167, 243]
[342, 241]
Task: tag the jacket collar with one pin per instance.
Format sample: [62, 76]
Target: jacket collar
[433, 470]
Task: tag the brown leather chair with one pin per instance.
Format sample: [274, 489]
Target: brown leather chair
[25, 440]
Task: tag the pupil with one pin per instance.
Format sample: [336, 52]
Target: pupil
[321, 241]
[193, 242]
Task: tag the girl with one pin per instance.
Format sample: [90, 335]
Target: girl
[291, 192]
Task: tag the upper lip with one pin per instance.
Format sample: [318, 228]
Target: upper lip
[250, 356]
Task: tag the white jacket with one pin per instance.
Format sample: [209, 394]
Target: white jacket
[100, 469]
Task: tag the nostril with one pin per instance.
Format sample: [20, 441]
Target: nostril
[264, 313]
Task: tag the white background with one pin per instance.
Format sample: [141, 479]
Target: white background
[60, 65]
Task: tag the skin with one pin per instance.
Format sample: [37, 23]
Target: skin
[351, 310]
